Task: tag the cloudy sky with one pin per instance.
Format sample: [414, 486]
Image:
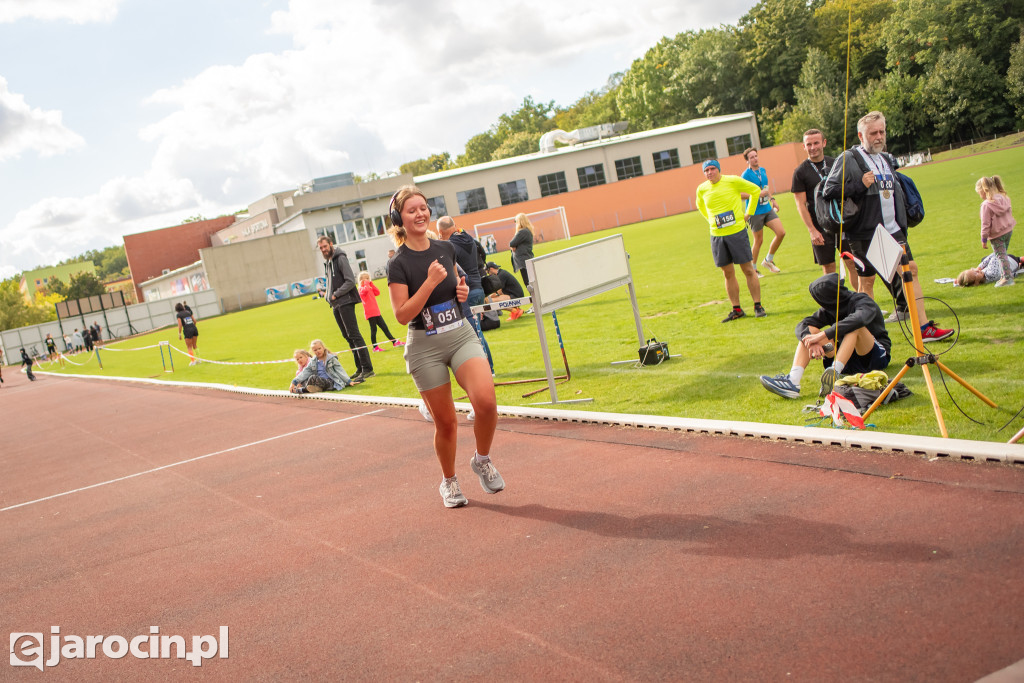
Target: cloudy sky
[118, 116]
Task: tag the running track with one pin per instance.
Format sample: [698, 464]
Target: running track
[315, 532]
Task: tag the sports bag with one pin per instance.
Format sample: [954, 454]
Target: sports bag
[915, 205]
[827, 211]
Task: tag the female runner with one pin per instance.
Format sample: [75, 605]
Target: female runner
[426, 295]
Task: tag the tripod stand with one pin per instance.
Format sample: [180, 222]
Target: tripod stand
[923, 360]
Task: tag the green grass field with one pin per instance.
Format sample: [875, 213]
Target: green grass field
[682, 299]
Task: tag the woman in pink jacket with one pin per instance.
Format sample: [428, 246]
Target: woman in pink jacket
[996, 222]
[368, 292]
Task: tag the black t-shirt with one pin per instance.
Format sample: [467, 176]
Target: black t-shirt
[409, 267]
[806, 176]
[188, 323]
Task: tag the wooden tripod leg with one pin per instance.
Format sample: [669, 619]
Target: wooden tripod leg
[964, 384]
[935, 401]
[885, 392]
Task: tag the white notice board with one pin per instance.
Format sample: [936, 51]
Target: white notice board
[574, 274]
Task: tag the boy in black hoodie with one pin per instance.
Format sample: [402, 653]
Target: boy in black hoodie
[863, 344]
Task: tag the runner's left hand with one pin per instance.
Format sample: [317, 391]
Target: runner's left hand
[462, 290]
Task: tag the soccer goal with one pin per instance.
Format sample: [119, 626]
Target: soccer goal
[548, 225]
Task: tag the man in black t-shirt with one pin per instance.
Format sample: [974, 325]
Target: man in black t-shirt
[806, 177]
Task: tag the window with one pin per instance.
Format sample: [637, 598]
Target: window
[590, 176]
[737, 143]
[702, 151]
[472, 200]
[628, 168]
[327, 232]
[666, 160]
[512, 193]
[553, 183]
[438, 207]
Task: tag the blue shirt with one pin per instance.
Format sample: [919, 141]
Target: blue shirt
[759, 178]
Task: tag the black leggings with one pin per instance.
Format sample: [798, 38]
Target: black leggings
[526, 278]
[378, 322]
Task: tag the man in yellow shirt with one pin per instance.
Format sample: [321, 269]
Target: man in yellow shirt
[720, 201]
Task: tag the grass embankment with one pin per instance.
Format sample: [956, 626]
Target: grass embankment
[682, 300]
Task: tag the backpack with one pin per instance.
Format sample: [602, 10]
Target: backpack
[914, 203]
[830, 219]
[827, 211]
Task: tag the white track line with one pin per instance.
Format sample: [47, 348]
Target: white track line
[185, 462]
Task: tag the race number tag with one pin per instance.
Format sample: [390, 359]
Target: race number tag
[724, 220]
[762, 201]
[443, 317]
[886, 184]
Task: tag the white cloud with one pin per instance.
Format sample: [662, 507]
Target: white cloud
[75, 11]
[23, 128]
[367, 85]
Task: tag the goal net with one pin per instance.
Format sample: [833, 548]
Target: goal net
[548, 225]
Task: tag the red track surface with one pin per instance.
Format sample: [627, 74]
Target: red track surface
[614, 554]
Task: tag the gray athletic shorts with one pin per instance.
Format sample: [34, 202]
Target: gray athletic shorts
[734, 248]
[427, 359]
[757, 221]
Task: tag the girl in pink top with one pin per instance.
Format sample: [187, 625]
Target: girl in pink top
[997, 222]
[368, 292]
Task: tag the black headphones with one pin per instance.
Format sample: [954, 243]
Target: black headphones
[396, 217]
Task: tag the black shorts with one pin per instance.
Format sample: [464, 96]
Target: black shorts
[729, 249]
[824, 254]
[875, 359]
[190, 332]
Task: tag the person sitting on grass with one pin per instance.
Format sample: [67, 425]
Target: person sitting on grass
[322, 372]
[509, 289]
[989, 270]
[863, 344]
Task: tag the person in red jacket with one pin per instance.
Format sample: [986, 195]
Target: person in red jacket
[368, 292]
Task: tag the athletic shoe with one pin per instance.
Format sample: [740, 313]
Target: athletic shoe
[770, 265]
[377, 348]
[515, 314]
[490, 480]
[398, 342]
[451, 492]
[898, 316]
[828, 381]
[781, 385]
[529, 311]
[932, 333]
[355, 379]
[367, 374]
[472, 415]
[734, 315]
[1003, 282]
[759, 311]
[758, 273]
[425, 412]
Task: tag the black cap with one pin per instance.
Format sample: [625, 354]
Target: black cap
[492, 264]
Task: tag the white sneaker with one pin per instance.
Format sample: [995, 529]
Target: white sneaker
[451, 492]
[770, 265]
[490, 480]
[425, 412]
[472, 415]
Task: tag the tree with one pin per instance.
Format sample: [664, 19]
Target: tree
[517, 144]
[898, 96]
[857, 24]
[646, 96]
[83, 285]
[820, 101]
[711, 76]
[432, 164]
[964, 96]
[531, 117]
[1015, 78]
[479, 149]
[15, 312]
[775, 35]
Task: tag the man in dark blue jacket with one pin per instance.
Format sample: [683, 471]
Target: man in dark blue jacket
[342, 295]
[854, 342]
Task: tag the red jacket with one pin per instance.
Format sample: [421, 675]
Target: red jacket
[368, 292]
